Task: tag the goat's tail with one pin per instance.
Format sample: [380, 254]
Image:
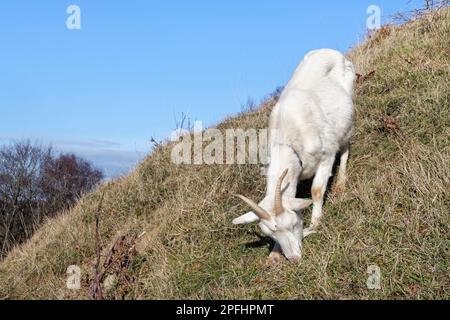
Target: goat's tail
[331, 63]
[348, 77]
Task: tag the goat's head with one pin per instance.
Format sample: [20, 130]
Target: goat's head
[281, 222]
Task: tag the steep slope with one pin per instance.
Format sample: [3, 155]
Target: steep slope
[394, 213]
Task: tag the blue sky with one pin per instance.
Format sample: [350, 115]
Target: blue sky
[136, 66]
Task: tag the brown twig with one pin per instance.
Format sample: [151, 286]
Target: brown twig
[361, 78]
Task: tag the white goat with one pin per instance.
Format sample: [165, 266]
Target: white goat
[313, 122]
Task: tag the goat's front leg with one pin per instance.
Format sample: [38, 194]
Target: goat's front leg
[319, 186]
[275, 256]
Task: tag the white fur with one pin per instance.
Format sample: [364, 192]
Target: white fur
[313, 121]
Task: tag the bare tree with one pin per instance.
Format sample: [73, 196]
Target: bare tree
[35, 185]
[20, 175]
[65, 178]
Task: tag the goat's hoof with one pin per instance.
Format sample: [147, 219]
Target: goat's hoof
[274, 259]
[339, 187]
[309, 231]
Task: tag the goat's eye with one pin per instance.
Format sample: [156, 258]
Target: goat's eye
[265, 229]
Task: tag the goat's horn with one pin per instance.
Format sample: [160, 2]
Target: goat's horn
[278, 208]
[260, 212]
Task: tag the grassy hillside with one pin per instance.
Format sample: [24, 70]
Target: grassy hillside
[394, 212]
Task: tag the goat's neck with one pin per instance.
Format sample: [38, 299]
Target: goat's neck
[283, 157]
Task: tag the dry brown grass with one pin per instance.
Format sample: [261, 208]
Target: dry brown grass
[394, 213]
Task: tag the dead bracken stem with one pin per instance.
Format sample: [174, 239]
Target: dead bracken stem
[118, 254]
[115, 248]
[96, 289]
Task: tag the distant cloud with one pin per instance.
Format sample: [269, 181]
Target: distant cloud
[87, 143]
[109, 156]
[112, 162]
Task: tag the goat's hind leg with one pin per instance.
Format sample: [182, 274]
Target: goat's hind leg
[342, 172]
[319, 186]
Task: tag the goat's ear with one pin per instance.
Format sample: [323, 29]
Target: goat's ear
[249, 217]
[297, 204]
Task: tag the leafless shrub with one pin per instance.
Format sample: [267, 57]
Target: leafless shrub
[428, 7]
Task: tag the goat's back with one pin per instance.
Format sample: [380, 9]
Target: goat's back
[322, 64]
[314, 113]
